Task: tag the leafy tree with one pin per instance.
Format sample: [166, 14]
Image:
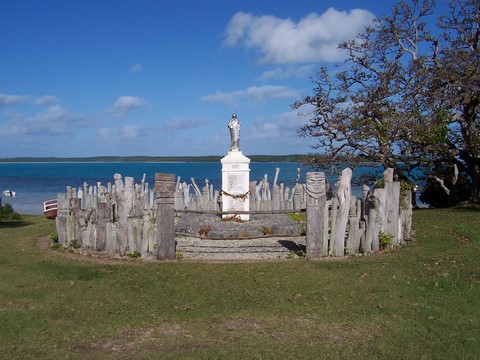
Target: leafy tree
[407, 95]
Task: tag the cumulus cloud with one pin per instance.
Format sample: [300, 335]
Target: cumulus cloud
[125, 103]
[276, 128]
[55, 120]
[256, 93]
[277, 132]
[46, 100]
[6, 99]
[283, 41]
[136, 68]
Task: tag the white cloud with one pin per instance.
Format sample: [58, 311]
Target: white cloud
[282, 73]
[256, 93]
[276, 134]
[6, 99]
[46, 100]
[124, 103]
[283, 41]
[136, 68]
[55, 120]
[276, 128]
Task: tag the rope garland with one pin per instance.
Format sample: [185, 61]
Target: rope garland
[242, 197]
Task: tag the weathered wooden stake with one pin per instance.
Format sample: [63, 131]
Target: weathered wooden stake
[392, 193]
[316, 197]
[343, 196]
[165, 234]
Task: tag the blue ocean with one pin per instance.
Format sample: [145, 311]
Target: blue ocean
[33, 183]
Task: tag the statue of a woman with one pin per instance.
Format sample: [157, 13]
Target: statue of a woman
[234, 126]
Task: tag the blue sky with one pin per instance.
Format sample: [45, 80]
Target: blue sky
[159, 78]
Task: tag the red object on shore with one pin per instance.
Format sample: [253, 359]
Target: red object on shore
[50, 208]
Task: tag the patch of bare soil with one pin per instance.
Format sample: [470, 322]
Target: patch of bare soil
[173, 339]
[459, 237]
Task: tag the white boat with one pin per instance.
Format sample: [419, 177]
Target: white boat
[50, 208]
[9, 193]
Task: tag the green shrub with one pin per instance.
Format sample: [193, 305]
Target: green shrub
[133, 255]
[54, 236]
[301, 219]
[266, 230]
[8, 213]
[385, 240]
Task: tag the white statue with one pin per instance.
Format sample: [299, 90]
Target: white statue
[234, 126]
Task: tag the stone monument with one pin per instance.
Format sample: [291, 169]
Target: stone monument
[235, 176]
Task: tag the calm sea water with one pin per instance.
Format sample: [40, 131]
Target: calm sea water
[36, 182]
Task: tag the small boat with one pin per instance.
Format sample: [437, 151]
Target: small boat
[9, 193]
[50, 208]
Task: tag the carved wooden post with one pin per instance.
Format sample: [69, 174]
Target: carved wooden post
[326, 226]
[353, 227]
[406, 216]
[103, 213]
[297, 196]
[128, 202]
[61, 219]
[165, 235]
[343, 195]
[392, 191]
[76, 227]
[316, 197]
[380, 218]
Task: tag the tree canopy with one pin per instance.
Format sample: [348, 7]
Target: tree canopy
[407, 95]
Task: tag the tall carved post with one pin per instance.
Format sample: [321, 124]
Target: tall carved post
[103, 214]
[392, 191]
[61, 219]
[276, 192]
[316, 197]
[165, 234]
[343, 196]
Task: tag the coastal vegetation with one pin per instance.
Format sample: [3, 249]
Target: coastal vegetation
[7, 212]
[418, 301]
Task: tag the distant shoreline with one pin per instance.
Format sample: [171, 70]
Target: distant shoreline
[179, 159]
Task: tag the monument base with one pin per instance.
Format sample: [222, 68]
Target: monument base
[235, 184]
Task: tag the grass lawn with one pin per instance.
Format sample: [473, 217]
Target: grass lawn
[420, 301]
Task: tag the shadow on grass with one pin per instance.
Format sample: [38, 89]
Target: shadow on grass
[468, 207]
[12, 224]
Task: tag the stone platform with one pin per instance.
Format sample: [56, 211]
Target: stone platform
[214, 227]
[266, 236]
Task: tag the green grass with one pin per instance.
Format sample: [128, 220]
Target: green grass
[421, 301]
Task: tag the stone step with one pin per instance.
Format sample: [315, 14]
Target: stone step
[245, 249]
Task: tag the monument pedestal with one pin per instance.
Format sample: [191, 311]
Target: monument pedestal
[235, 184]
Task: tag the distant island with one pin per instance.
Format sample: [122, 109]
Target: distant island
[210, 158]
